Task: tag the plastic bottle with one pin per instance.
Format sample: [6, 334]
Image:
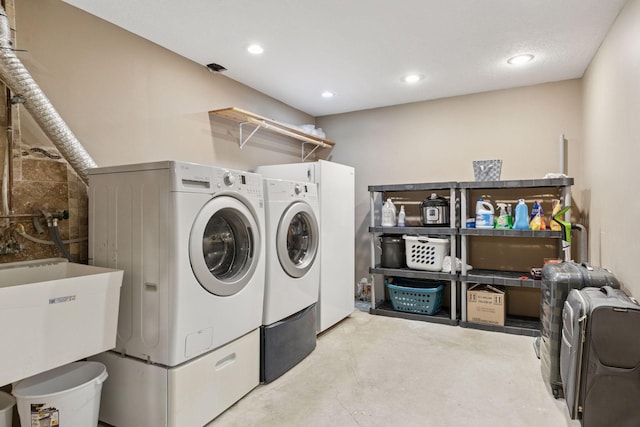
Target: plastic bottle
[388, 214]
[522, 216]
[401, 217]
[484, 214]
[536, 220]
[504, 219]
[555, 208]
[543, 221]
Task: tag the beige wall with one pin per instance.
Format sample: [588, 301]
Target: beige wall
[438, 140]
[612, 148]
[128, 100]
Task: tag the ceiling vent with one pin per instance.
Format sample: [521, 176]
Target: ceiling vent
[216, 68]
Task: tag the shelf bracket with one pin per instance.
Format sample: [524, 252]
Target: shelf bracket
[304, 158]
[242, 141]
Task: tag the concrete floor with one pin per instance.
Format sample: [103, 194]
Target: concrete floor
[380, 371]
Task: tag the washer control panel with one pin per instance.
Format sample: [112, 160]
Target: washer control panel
[247, 183]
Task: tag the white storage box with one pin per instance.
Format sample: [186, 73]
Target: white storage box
[425, 253]
[54, 312]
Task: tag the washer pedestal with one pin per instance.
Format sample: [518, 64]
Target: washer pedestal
[192, 394]
[285, 343]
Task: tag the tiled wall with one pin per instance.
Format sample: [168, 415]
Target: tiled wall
[42, 180]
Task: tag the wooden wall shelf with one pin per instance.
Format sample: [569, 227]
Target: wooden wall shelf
[244, 117]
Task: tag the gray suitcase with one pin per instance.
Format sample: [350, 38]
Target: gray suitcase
[600, 357]
[557, 281]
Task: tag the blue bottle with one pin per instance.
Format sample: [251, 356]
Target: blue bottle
[522, 216]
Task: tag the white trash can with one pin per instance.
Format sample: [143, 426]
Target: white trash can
[68, 395]
[7, 402]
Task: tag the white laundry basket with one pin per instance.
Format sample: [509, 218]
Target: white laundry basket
[7, 402]
[425, 253]
[67, 396]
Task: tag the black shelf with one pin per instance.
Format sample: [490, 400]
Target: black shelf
[449, 231]
[518, 183]
[413, 274]
[546, 234]
[422, 231]
[503, 278]
[443, 316]
[527, 326]
[514, 183]
[414, 187]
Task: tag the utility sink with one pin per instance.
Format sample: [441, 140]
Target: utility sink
[53, 312]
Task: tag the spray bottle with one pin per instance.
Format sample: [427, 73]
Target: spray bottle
[504, 219]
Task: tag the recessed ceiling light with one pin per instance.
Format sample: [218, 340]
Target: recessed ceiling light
[255, 49]
[412, 78]
[327, 94]
[520, 59]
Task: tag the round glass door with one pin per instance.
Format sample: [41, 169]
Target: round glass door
[224, 245]
[297, 239]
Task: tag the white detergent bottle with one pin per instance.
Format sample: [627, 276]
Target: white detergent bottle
[484, 214]
[388, 214]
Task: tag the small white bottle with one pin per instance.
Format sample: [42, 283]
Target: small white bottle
[401, 217]
[388, 214]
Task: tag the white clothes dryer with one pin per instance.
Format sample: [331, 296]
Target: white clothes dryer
[336, 195]
[292, 275]
[293, 247]
[190, 239]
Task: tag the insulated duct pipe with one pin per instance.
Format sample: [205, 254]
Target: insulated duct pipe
[18, 79]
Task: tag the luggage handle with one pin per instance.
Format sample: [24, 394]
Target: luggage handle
[607, 290]
[586, 265]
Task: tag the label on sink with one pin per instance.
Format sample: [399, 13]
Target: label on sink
[60, 300]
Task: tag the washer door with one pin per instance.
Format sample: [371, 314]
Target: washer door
[297, 239]
[224, 245]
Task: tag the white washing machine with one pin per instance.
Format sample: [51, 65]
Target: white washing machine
[190, 239]
[288, 333]
[336, 195]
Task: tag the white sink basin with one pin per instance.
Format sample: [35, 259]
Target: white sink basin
[53, 312]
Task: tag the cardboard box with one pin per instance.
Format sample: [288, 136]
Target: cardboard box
[486, 304]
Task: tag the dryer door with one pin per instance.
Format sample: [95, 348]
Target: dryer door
[224, 245]
[297, 239]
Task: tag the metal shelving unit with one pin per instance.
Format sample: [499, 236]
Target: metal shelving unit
[459, 192]
[379, 305]
[513, 324]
